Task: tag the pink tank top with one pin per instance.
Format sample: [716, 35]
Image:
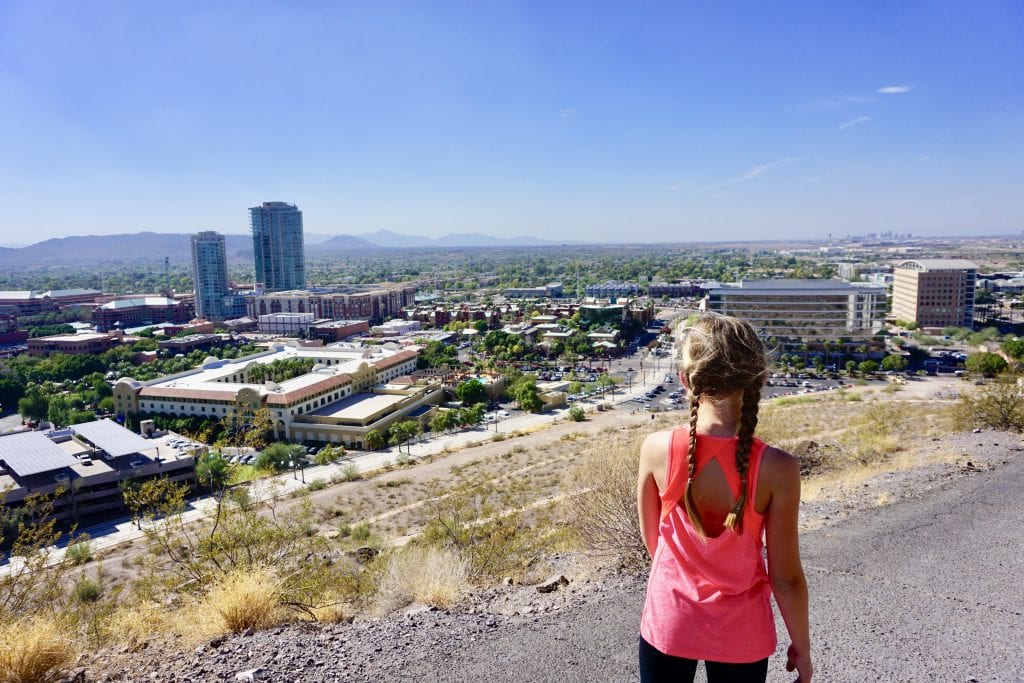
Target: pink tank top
[709, 600]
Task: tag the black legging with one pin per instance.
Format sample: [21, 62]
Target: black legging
[656, 666]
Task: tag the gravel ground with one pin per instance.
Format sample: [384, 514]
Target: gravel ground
[585, 629]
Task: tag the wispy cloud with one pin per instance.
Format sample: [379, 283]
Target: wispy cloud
[835, 172]
[755, 172]
[567, 113]
[894, 90]
[758, 171]
[854, 122]
[676, 187]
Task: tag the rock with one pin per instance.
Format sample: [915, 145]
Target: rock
[366, 553]
[253, 675]
[552, 584]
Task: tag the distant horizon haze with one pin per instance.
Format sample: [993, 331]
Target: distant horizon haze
[600, 123]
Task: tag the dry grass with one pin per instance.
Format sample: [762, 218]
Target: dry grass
[34, 650]
[603, 513]
[246, 599]
[429, 575]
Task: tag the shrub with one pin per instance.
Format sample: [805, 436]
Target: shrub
[33, 649]
[317, 485]
[88, 590]
[605, 516]
[360, 532]
[350, 472]
[997, 405]
[576, 414]
[246, 599]
[428, 575]
[79, 553]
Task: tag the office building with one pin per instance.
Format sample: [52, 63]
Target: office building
[935, 292]
[210, 274]
[802, 309]
[278, 247]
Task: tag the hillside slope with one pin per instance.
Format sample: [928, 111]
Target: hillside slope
[922, 588]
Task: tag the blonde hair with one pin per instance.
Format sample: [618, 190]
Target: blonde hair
[722, 355]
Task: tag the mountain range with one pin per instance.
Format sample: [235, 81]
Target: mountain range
[153, 246]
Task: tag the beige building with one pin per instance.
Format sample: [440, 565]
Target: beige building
[934, 292]
[350, 390]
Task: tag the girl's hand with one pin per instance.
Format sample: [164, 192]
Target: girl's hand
[802, 664]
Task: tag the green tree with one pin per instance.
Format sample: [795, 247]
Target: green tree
[212, 470]
[11, 391]
[59, 411]
[329, 454]
[985, 363]
[278, 457]
[471, 391]
[403, 432]
[894, 363]
[1014, 348]
[33, 405]
[867, 367]
[260, 429]
[373, 440]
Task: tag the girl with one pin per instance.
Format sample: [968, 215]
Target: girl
[707, 495]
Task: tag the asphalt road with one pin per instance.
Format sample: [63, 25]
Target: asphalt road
[924, 590]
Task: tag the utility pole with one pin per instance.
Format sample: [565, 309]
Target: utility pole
[167, 277]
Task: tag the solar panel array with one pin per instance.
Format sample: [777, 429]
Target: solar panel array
[31, 453]
[112, 438]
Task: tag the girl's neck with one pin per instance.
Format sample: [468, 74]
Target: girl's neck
[719, 417]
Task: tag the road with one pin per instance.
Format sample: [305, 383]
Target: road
[925, 590]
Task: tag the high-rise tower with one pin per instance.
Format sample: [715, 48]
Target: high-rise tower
[278, 247]
[210, 274]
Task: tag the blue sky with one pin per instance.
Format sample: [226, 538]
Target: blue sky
[631, 121]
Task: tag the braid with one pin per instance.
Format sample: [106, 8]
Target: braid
[691, 463]
[748, 423]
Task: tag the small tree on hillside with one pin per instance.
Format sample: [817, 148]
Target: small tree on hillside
[894, 363]
[997, 405]
[985, 363]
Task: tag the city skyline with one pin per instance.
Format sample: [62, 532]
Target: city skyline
[650, 125]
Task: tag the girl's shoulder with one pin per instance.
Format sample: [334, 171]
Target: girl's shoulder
[654, 450]
[779, 468]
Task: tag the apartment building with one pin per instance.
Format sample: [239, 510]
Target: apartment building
[278, 246]
[209, 274]
[935, 292]
[375, 304]
[802, 309]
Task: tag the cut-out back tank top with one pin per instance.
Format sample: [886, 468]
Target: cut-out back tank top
[709, 599]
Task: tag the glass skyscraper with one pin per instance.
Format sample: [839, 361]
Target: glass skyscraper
[278, 247]
[210, 274]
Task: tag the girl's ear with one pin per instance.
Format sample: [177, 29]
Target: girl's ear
[682, 380]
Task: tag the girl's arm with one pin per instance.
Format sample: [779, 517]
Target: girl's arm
[653, 459]
[784, 567]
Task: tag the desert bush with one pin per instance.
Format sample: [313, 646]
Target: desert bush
[350, 472]
[434, 576]
[999, 404]
[79, 553]
[603, 514]
[317, 485]
[246, 599]
[88, 590]
[576, 414]
[34, 649]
